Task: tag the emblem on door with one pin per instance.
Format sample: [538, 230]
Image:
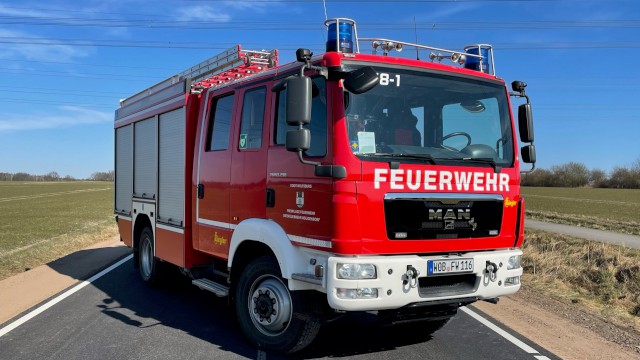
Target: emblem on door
[300, 198]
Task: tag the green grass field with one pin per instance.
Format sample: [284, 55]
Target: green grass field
[597, 277]
[42, 221]
[607, 209]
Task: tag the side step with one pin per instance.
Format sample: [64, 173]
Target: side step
[206, 284]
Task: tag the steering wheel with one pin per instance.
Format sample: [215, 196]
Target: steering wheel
[453, 134]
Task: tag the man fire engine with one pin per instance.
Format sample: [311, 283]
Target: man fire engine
[342, 182]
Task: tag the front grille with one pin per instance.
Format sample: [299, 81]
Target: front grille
[418, 219]
[432, 286]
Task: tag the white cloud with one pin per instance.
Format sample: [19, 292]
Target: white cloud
[19, 12]
[67, 117]
[22, 45]
[447, 11]
[223, 11]
[203, 13]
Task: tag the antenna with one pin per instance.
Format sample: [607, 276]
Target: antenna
[324, 4]
[415, 30]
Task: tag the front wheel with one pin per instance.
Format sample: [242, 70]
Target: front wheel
[270, 315]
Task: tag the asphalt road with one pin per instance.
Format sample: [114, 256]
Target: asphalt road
[119, 317]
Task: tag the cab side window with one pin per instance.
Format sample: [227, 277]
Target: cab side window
[220, 123]
[318, 125]
[252, 118]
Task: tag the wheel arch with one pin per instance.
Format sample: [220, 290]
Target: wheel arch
[265, 237]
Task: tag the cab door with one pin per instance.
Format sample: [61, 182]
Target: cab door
[249, 157]
[213, 176]
[302, 201]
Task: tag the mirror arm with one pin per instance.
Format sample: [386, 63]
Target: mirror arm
[302, 160]
[533, 167]
[323, 71]
[522, 94]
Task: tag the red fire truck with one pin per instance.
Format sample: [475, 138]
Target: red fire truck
[342, 182]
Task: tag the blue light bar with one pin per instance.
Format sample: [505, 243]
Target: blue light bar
[340, 35]
[475, 63]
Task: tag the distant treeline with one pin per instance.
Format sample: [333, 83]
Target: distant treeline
[578, 175]
[54, 176]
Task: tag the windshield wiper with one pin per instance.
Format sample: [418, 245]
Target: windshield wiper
[497, 168]
[423, 157]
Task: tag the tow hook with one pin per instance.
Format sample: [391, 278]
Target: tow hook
[411, 276]
[492, 270]
[492, 300]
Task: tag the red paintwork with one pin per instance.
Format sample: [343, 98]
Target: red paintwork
[124, 228]
[348, 212]
[170, 246]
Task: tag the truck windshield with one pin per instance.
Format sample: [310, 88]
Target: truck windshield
[413, 115]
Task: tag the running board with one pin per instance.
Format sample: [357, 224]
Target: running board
[206, 284]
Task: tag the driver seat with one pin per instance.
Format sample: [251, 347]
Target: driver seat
[405, 132]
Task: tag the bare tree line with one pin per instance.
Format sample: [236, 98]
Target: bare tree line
[54, 176]
[575, 174]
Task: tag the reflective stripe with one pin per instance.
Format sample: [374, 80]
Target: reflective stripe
[310, 241]
[217, 223]
[170, 228]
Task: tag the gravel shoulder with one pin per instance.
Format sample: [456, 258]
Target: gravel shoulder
[566, 330]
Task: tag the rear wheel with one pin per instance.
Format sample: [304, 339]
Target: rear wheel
[148, 264]
[270, 316]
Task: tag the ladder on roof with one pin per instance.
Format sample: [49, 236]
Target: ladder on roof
[230, 65]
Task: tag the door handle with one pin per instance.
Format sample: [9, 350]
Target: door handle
[271, 198]
[200, 191]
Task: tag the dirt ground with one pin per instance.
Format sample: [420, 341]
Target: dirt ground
[566, 330]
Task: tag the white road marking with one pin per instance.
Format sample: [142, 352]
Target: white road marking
[504, 334]
[5, 330]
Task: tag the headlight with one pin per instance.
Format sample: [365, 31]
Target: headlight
[364, 293]
[511, 281]
[356, 271]
[514, 262]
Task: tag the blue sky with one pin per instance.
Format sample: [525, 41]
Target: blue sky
[65, 64]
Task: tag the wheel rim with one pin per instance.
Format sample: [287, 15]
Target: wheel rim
[270, 305]
[146, 256]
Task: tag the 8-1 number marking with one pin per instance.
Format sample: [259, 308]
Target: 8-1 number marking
[386, 79]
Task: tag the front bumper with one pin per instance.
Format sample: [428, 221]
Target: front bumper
[395, 289]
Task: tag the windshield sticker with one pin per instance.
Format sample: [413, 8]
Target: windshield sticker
[386, 79]
[401, 179]
[355, 147]
[243, 141]
[366, 142]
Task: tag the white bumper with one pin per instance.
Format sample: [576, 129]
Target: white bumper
[395, 290]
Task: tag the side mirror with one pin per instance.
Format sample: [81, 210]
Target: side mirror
[528, 154]
[525, 123]
[299, 100]
[361, 80]
[298, 140]
[518, 86]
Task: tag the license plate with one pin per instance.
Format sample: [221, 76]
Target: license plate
[449, 266]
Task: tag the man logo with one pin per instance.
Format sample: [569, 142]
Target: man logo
[300, 198]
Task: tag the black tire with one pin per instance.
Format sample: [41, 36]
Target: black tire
[270, 316]
[148, 264]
